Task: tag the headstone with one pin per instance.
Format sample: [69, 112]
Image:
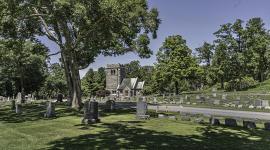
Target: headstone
[214, 89]
[249, 124]
[18, 108]
[240, 106]
[216, 102]
[157, 108]
[224, 97]
[187, 97]
[251, 106]
[161, 116]
[172, 117]
[185, 118]
[230, 122]
[19, 98]
[267, 126]
[214, 94]
[238, 98]
[13, 104]
[214, 121]
[199, 120]
[50, 110]
[90, 112]
[198, 97]
[265, 103]
[60, 97]
[155, 100]
[110, 105]
[142, 110]
[258, 103]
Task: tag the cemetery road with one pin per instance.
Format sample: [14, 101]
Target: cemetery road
[214, 112]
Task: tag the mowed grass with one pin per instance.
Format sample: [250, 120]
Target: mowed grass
[118, 130]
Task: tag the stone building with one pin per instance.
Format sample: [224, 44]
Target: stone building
[118, 85]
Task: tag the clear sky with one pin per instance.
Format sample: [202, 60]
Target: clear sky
[195, 20]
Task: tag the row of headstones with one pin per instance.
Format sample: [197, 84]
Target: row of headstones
[50, 108]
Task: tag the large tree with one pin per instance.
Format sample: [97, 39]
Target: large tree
[83, 29]
[176, 63]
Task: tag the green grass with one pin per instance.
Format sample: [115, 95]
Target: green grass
[117, 130]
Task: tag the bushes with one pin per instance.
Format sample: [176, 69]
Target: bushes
[245, 83]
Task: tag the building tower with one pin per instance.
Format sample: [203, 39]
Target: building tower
[115, 73]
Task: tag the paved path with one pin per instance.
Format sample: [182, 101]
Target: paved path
[214, 112]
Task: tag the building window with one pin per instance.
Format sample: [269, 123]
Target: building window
[113, 92]
[112, 72]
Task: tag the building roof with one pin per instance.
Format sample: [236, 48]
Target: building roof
[131, 83]
[140, 85]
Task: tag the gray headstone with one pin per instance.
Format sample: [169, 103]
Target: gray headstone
[90, 112]
[267, 126]
[50, 110]
[185, 118]
[214, 121]
[110, 105]
[265, 103]
[257, 103]
[230, 122]
[13, 103]
[249, 124]
[18, 108]
[19, 98]
[224, 97]
[216, 102]
[214, 89]
[214, 94]
[172, 117]
[199, 120]
[161, 116]
[141, 110]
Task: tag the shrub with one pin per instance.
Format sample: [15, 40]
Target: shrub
[245, 83]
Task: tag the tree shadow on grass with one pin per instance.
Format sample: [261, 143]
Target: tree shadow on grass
[34, 112]
[121, 136]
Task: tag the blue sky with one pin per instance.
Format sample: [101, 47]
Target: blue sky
[195, 20]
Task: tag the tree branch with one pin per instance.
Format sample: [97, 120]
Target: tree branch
[54, 54]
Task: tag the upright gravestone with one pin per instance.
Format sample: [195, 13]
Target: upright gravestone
[230, 122]
[90, 112]
[13, 104]
[224, 97]
[249, 124]
[18, 108]
[50, 110]
[214, 121]
[19, 98]
[155, 100]
[216, 102]
[265, 103]
[60, 97]
[267, 126]
[141, 110]
[257, 103]
[110, 105]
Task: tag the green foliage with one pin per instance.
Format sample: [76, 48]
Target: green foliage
[243, 84]
[93, 82]
[24, 66]
[175, 64]
[55, 82]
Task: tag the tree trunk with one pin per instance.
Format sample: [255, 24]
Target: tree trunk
[73, 80]
[176, 88]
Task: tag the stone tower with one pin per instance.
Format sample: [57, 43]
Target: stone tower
[115, 73]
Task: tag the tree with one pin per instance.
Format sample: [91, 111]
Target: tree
[55, 82]
[93, 82]
[258, 44]
[24, 65]
[205, 53]
[84, 29]
[175, 62]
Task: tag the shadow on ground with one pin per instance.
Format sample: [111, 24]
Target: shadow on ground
[34, 112]
[121, 136]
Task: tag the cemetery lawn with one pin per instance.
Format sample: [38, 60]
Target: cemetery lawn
[117, 130]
